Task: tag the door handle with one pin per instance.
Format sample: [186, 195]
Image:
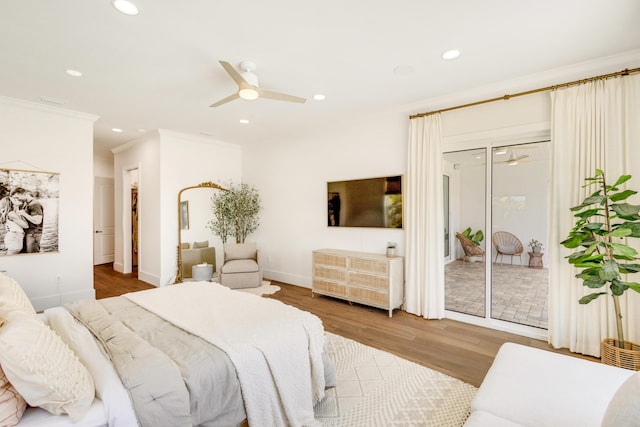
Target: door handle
[98, 231]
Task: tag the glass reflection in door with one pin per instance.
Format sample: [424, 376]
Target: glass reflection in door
[519, 278]
[465, 273]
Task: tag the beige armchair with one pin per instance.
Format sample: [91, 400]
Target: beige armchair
[241, 268]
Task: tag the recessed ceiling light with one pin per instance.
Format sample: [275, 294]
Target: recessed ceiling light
[73, 73]
[116, 130]
[451, 54]
[501, 151]
[125, 7]
[244, 121]
[319, 97]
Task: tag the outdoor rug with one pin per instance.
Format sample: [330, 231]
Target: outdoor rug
[376, 388]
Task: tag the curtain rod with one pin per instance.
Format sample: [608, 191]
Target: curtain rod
[624, 72]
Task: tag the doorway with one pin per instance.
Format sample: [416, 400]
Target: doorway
[103, 221]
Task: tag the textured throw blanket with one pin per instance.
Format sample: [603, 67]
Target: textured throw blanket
[276, 348]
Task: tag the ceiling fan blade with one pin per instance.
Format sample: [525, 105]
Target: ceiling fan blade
[524, 156]
[225, 100]
[264, 93]
[240, 81]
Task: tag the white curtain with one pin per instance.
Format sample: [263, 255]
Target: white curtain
[424, 220]
[594, 125]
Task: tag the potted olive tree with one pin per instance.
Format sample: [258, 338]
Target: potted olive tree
[235, 212]
[604, 223]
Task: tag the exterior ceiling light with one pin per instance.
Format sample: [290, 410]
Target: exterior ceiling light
[126, 7]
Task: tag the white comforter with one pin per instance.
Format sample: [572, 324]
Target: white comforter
[276, 348]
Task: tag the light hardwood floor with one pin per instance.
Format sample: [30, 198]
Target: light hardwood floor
[457, 349]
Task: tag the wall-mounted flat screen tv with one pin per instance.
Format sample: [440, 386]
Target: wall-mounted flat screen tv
[372, 202]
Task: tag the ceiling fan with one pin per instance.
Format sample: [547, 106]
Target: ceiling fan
[248, 86]
[513, 159]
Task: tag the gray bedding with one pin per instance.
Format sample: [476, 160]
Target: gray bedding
[174, 378]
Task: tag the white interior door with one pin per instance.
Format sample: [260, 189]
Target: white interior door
[103, 221]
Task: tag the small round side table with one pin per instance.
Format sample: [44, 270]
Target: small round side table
[535, 260]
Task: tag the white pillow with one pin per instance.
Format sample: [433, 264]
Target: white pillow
[12, 294]
[12, 405]
[41, 366]
[624, 408]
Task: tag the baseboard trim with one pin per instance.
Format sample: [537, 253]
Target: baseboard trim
[292, 279]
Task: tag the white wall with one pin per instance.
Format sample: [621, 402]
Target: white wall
[291, 177]
[103, 166]
[38, 137]
[142, 154]
[188, 160]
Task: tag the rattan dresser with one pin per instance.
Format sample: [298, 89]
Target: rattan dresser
[370, 279]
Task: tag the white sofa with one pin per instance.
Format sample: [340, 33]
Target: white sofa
[530, 387]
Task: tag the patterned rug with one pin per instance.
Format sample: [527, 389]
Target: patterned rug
[376, 388]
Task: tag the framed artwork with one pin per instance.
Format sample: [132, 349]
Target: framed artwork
[184, 215]
[28, 211]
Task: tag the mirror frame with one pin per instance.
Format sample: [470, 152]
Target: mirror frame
[207, 184]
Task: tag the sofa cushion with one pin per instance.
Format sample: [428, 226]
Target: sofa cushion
[185, 245]
[624, 408]
[507, 249]
[240, 251]
[203, 244]
[240, 266]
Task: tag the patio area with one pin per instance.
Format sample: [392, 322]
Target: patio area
[520, 293]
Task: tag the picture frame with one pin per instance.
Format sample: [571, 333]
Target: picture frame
[29, 203]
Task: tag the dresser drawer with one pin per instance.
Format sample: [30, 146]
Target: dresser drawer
[330, 260]
[329, 288]
[335, 274]
[368, 280]
[369, 297]
[366, 265]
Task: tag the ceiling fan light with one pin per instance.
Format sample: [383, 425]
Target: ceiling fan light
[248, 93]
[512, 163]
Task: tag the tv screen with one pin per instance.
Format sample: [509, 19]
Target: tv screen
[372, 202]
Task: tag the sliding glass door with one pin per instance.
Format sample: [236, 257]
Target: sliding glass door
[519, 277]
[465, 285]
[495, 270]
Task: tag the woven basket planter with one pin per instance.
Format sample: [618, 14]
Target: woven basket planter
[627, 357]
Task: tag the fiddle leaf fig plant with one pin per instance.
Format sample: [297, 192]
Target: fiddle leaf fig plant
[604, 223]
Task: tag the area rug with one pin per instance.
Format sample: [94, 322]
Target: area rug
[265, 289]
[376, 388]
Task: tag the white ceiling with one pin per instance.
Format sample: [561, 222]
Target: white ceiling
[160, 69]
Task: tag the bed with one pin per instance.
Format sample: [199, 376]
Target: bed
[191, 354]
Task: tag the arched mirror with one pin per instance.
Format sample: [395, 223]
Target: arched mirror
[196, 243]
